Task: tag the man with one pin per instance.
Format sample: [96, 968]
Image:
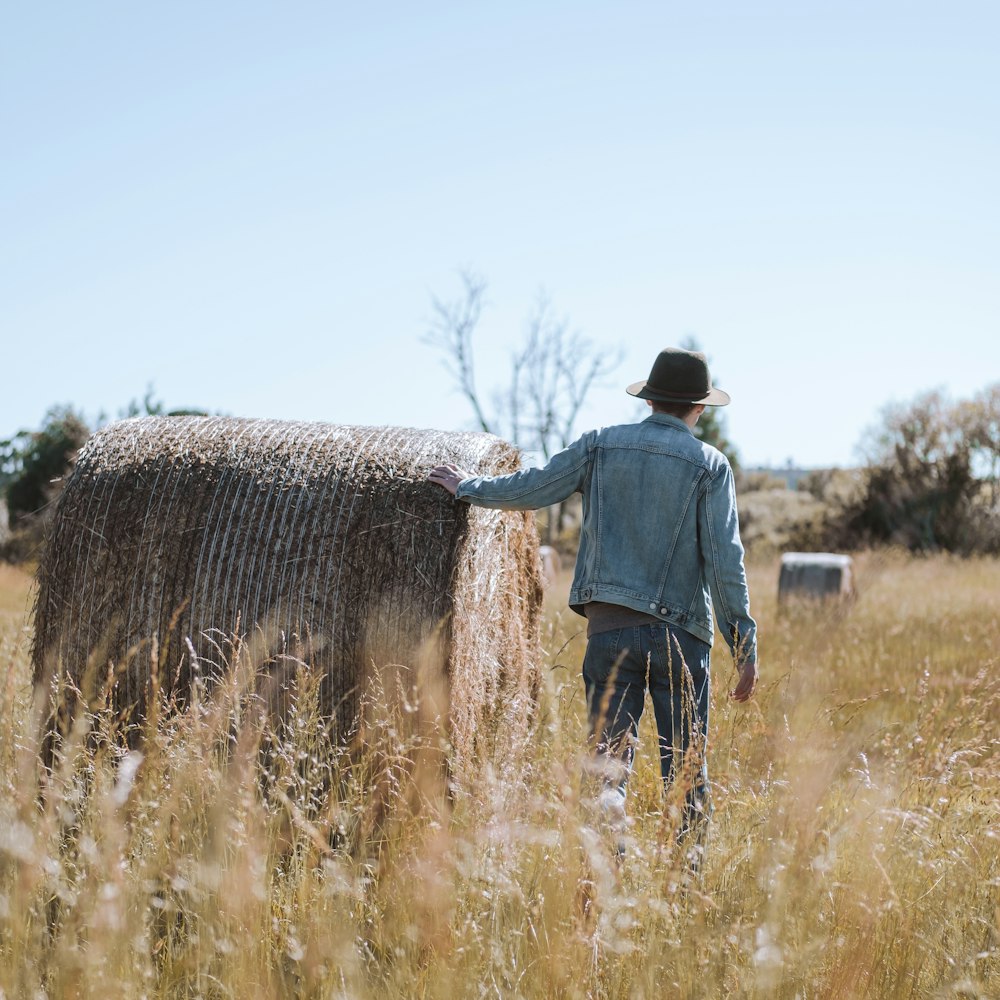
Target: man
[659, 535]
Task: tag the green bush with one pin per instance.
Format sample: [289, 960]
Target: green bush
[33, 462]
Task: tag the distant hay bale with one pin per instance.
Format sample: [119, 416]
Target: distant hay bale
[325, 542]
[815, 575]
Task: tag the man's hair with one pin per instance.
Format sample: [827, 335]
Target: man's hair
[679, 410]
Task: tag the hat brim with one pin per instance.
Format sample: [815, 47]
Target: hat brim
[715, 397]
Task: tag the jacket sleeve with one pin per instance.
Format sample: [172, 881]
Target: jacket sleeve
[530, 489]
[722, 561]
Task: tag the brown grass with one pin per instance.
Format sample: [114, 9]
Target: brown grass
[15, 594]
[854, 851]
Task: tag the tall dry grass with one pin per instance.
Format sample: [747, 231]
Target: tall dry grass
[854, 850]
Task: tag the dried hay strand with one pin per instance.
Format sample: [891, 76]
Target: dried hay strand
[324, 543]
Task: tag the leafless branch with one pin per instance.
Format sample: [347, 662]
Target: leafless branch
[551, 372]
[451, 331]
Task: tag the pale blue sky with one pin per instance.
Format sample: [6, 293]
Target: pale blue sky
[249, 205]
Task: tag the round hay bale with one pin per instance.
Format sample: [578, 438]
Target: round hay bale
[325, 542]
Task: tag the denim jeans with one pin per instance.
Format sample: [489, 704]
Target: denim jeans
[617, 668]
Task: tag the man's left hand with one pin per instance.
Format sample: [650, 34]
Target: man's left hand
[448, 476]
[746, 683]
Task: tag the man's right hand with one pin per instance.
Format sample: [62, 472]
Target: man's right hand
[747, 682]
[447, 476]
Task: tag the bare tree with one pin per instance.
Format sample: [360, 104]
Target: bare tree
[550, 377]
[551, 374]
[451, 332]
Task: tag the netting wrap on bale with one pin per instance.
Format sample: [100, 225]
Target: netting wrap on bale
[325, 540]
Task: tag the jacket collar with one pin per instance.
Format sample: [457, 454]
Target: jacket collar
[669, 420]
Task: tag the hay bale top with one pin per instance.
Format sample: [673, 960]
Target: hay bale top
[816, 559]
[299, 449]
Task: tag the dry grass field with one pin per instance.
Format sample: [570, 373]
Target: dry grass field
[855, 849]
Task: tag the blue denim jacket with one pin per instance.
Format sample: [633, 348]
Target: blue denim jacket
[660, 530]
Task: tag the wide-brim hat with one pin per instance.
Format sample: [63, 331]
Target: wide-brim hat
[679, 376]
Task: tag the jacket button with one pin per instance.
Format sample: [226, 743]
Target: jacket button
[663, 611]
[652, 607]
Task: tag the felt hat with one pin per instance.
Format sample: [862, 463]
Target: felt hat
[679, 376]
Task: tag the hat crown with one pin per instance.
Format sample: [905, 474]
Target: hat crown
[680, 374]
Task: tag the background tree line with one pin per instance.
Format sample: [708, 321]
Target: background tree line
[929, 481]
[932, 477]
[34, 463]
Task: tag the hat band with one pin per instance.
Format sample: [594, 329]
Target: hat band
[679, 396]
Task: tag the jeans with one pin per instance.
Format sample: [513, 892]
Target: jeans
[617, 668]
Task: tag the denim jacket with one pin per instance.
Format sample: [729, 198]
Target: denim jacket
[660, 530]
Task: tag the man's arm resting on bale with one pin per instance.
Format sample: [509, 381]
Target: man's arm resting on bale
[528, 489]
